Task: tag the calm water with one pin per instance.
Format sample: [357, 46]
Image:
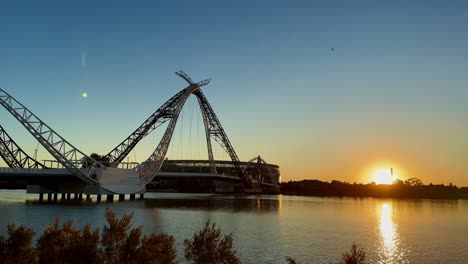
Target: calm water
[267, 228]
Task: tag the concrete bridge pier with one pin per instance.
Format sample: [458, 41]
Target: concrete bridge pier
[142, 196]
[49, 197]
[110, 198]
[132, 196]
[98, 198]
[41, 197]
[88, 197]
[55, 197]
[121, 197]
[67, 196]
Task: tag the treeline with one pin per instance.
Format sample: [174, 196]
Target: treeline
[412, 188]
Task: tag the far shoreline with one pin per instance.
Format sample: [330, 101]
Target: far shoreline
[405, 190]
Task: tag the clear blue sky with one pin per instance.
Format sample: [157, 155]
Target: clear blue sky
[392, 93]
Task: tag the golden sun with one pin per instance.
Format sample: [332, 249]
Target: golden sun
[383, 176]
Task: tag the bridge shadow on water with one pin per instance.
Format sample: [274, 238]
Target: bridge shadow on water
[216, 202]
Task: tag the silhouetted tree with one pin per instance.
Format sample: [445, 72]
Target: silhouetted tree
[129, 251]
[17, 248]
[354, 256]
[102, 159]
[120, 244]
[114, 236]
[414, 182]
[207, 246]
[157, 249]
[68, 244]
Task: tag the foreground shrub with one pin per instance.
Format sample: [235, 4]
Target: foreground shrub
[122, 245]
[161, 246]
[114, 238]
[17, 248]
[119, 243]
[68, 244]
[207, 246]
[354, 256]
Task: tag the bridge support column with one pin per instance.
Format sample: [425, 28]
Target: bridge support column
[88, 197]
[80, 196]
[55, 197]
[110, 198]
[132, 196]
[41, 197]
[98, 198]
[67, 196]
[49, 197]
[142, 196]
[121, 197]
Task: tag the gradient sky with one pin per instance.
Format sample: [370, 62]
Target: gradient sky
[393, 93]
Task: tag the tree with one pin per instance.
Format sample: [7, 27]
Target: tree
[114, 236]
[68, 244]
[354, 256]
[157, 249]
[17, 248]
[102, 159]
[414, 182]
[120, 244]
[207, 246]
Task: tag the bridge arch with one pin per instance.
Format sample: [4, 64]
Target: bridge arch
[72, 158]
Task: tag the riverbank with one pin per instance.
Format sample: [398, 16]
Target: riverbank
[396, 190]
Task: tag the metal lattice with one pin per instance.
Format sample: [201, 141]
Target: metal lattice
[215, 131]
[64, 152]
[152, 165]
[160, 116]
[14, 156]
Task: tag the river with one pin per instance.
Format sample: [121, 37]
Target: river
[268, 228]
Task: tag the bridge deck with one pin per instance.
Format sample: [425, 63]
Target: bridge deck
[38, 176]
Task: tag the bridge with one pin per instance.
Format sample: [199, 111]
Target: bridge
[80, 174]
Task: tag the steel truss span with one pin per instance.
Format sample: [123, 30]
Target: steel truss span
[92, 171]
[160, 116]
[56, 145]
[14, 156]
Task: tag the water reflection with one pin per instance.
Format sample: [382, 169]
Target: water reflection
[214, 202]
[387, 229]
[390, 251]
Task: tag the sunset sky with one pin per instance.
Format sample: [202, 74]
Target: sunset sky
[325, 89]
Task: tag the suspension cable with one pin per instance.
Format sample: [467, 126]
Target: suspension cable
[190, 131]
[181, 133]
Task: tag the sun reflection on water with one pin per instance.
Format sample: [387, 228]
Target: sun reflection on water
[391, 250]
[387, 229]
